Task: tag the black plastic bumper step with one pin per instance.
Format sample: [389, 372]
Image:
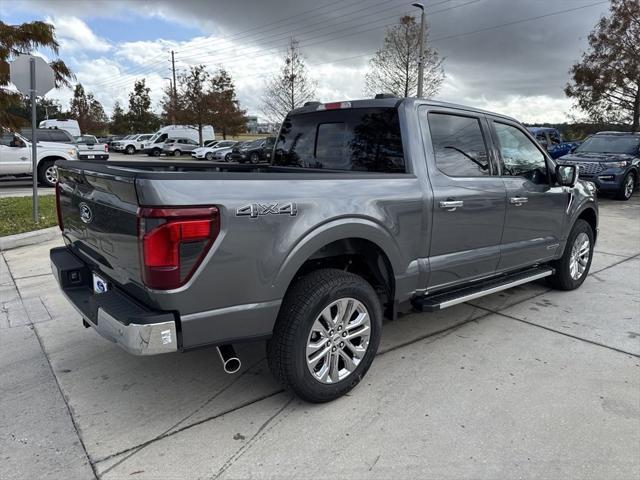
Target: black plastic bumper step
[432, 303]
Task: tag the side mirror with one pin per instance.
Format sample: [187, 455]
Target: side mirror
[566, 175]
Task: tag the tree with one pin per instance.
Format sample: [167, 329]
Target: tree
[290, 88]
[140, 116]
[193, 101]
[45, 108]
[224, 109]
[171, 107]
[87, 111]
[394, 67]
[24, 39]
[119, 123]
[606, 81]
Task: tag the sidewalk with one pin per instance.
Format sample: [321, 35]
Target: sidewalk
[527, 383]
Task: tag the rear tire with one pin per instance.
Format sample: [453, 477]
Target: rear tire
[627, 187]
[177, 153]
[47, 173]
[318, 350]
[156, 152]
[573, 267]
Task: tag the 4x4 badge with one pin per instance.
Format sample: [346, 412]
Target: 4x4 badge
[254, 210]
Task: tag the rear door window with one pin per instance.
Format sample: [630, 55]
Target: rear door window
[359, 139]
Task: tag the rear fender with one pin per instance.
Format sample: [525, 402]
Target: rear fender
[330, 232]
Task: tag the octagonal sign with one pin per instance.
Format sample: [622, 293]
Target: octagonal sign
[20, 75]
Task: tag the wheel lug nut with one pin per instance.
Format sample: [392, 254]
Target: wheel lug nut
[333, 349]
[328, 344]
[339, 327]
[344, 334]
[330, 332]
[342, 344]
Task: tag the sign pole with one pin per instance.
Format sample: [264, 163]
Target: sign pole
[34, 139]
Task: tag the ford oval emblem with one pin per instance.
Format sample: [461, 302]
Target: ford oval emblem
[86, 215]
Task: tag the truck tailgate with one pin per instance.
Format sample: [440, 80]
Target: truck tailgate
[99, 220]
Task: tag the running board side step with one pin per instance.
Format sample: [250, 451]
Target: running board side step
[432, 303]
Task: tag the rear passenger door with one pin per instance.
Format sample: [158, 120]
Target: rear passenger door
[469, 197]
[535, 206]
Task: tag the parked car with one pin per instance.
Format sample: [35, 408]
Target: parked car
[611, 160]
[154, 146]
[90, 149]
[224, 154]
[131, 143]
[16, 160]
[369, 207]
[70, 126]
[177, 146]
[254, 152]
[208, 152]
[551, 139]
[110, 140]
[49, 135]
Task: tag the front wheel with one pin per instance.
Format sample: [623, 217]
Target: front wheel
[326, 336]
[573, 267]
[255, 158]
[130, 150]
[627, 187]
[177, 153]
[209, 156]
[227, 157]
[47, 173]
[156, 152]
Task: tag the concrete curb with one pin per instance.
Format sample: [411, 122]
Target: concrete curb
[28, 238]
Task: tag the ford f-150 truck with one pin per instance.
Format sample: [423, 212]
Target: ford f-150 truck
[367, 208]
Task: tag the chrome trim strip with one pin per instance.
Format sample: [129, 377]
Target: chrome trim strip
[232, 309]
[497, 288]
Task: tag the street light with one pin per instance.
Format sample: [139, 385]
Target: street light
[420, 58]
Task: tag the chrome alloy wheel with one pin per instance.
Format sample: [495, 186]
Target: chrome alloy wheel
[628, 186]
[338, 340]
[51, 175]
[580, 252]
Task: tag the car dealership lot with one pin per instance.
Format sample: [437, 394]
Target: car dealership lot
[529, 383]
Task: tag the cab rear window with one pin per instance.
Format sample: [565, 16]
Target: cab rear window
[363, 139]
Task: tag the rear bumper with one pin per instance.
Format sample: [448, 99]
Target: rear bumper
[135, 328]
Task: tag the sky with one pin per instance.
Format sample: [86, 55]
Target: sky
[507, 56]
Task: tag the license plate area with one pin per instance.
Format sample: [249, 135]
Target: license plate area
[100, 285]
[90, 156]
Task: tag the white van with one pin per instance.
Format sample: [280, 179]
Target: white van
[154, 146]
[70, 126]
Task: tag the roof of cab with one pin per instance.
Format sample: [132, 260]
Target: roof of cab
[394, 102]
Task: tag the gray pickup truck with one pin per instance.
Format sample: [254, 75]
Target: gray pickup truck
[367, 208]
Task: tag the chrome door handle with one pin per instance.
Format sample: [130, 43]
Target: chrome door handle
[451, 205]
[517, 201]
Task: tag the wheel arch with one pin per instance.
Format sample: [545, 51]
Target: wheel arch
[358, 246]
[589, 215]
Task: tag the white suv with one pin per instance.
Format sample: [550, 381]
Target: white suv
[132, 143]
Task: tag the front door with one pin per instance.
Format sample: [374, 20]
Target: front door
[533, 223]
[469, 198]
[15, 157]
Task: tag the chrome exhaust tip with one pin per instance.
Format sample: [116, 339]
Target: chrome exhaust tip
[230, 361]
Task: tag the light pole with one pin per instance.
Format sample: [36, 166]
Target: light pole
[421, 56]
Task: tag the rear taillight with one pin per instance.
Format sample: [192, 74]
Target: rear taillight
[173, 242]
[58, 209]
[106, 148]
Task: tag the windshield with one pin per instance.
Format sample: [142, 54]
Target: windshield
[610, 144]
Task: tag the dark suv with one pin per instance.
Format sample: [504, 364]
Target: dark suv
[254, 152]
[611, 160]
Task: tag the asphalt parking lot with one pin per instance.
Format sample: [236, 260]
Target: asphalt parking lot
[527, 383]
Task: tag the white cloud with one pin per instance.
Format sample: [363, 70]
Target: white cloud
[75, 36]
